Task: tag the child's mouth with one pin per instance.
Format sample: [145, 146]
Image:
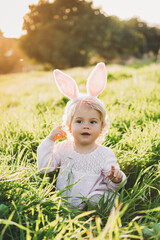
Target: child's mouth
[85, 134]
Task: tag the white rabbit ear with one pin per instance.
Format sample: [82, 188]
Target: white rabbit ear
[97, 80]
[66, 84]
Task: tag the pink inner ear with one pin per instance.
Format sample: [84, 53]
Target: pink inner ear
[66, 84]
[97, 80]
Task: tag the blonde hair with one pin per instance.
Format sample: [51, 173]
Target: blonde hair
[91, 102]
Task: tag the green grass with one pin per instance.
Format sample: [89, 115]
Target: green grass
[30, 206]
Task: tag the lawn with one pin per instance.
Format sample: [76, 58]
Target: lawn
[30, 206]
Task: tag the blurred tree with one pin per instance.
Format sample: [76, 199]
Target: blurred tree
[151, 35]
[62, 33]
[120, 40]
[111, 45]
[132, 40]
[68, 33]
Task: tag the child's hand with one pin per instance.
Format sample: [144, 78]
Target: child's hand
[115, 175]
[57, 133]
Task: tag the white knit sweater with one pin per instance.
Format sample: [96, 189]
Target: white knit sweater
[86, 174]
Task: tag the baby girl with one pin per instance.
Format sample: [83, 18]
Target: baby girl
[86, 169]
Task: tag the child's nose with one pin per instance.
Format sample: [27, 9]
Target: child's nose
[86, 125]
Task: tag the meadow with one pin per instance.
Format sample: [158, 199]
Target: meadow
[30, 206]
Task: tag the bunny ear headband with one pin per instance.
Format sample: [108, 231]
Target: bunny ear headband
[95, 84]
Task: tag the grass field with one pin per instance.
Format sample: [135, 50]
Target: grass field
[30, 207]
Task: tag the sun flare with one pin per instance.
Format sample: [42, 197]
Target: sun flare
[11, 16]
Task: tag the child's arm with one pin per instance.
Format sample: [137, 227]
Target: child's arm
[113, 177]
[49, 157]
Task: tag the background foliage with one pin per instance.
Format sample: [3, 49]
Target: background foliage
[68, 33]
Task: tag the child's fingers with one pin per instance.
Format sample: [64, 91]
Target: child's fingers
[59, 136]
[112, 169]
[60, 126]
[62, 132]
[57, 133]
[115, 173]
[117, 176]
[110, 174]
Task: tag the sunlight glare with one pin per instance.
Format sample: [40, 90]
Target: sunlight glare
[147, 11]
[8, 53]
[11, 16]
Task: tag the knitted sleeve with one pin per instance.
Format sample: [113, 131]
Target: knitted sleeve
[48, 156]
[111, 160]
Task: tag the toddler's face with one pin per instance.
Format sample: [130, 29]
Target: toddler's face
[86, 125]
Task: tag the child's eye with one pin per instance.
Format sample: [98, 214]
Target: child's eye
[79, 121]
[93, 122]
